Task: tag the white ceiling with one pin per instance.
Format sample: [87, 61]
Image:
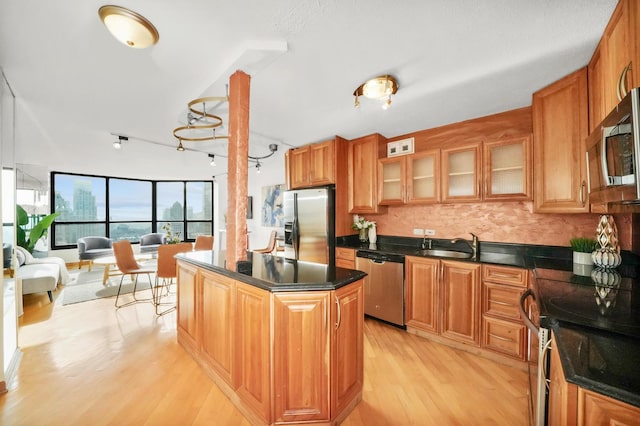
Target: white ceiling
[454, 60]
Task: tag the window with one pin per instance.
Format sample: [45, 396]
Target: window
[127, 208]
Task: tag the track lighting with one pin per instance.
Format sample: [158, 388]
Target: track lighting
[213, 160]
[258, 165]
[118, 144]
[272, 147]
[180, 147]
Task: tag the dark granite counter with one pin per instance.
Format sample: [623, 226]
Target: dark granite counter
[275, 273]
[595, 321]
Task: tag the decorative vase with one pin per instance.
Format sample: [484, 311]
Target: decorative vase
[607, 233]
[363, 235]
[582, 258]
[606, 258]
[373, 237]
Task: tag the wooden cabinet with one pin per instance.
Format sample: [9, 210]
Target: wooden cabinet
[347, 361]
[311, 165]
[421, 304]
[188, 305]
[218, 308]
[571, 405]
[461, 169]
[362, 166]
[412, 179]
[283, 358]
[507, 169]
[301, 348]
[596, 86]
[559, 114]
[503, 331]
[345, 258]
[460, 300]
[253, 349]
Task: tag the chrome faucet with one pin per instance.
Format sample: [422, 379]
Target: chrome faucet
[475, 249]
[426, 243]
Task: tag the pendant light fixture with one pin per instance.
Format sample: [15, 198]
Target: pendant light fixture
[129, 27]
[380, 88]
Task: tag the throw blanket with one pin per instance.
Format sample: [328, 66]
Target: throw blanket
[28, 259]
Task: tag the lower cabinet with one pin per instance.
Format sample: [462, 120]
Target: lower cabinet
[345, 258]
[442, 297]
[285, 358]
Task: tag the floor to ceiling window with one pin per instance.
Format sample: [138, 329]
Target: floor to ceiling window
[121, 208]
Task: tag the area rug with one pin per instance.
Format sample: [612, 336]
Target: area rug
[85, 285]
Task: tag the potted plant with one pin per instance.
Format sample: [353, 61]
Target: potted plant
[39, 230]
[582, 248]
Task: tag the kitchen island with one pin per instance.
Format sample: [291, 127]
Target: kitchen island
[282, 339]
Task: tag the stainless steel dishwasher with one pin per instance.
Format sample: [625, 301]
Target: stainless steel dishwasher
[383, 285]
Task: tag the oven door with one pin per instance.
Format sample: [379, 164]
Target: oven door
[539, 374]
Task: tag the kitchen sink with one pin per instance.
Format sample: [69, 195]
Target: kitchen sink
[444, 253]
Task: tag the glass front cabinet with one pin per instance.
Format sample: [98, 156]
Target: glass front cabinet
[507, 169]
[412, 179]
[461, 168]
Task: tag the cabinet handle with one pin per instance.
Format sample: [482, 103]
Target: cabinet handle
[621, 89]
[339, 319]
[582, 197]
[506, 339]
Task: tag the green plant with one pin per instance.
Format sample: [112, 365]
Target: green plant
[583, 244]
[171, 237]
[38, 231]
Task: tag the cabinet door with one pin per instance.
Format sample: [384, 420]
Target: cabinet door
[321, 163]
[299, 167]
[563, 396]
[507, 169]
[347, 369]
[218, 307]
[423, 178]
[461, 173]
[421, 307]
[301, 356]
[559, 130]
[618, 39]
[596, 409]
[460, 301]
[187, 306]
[252, 351]
[363, 166]
[391, 181]
[596, 79]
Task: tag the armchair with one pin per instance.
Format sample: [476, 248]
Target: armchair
[90, 248]
[151, 242]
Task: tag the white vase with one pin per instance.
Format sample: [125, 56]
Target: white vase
[582, 258]
[372, 235]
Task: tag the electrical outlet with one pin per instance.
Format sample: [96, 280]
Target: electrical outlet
[430, 232]
[418, 231]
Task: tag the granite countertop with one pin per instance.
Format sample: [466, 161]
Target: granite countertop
[595, 323]
[275, 273]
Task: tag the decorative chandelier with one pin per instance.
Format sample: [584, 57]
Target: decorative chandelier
[377, 88]
[201, 124]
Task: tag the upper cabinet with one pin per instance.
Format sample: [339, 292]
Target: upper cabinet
[461, 168]
[560, 115]
[412, 179]
[507, 169]
[363, 166]
[311, 165]
[615, 65]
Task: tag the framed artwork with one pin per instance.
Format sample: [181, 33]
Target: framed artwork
[272, 213]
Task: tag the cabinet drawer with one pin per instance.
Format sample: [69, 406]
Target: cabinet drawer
[346, 254]
[504, 337]
[505, 275]
[501, 300]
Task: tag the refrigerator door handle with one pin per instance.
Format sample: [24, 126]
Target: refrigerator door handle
[295, 228]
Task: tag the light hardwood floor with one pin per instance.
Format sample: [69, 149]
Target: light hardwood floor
[88, 364]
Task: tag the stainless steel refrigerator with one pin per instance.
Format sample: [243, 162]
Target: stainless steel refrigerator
[309, 225]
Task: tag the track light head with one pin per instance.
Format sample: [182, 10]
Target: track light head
[213, 160]
[118, 144]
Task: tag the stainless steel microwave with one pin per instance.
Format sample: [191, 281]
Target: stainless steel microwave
[613, 155]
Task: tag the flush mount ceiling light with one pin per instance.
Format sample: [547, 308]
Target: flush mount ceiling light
[129, 27]
[377, 88]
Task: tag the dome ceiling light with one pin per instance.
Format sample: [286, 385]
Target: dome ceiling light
[129, 27]
[377, 88]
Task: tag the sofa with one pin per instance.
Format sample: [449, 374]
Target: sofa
[38, 275]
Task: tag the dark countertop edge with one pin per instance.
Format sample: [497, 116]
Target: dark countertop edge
[571, 376]
[274, 287]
